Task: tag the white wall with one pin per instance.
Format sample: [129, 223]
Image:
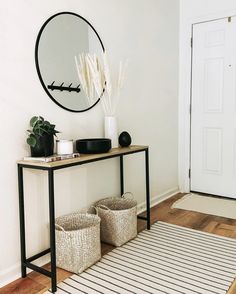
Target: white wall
[192, 11]
[146, 32]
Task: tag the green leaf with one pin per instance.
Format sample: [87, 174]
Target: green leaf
[40, 127]
[36, 130]
[47, 123]
[31, 141]
[33, 120]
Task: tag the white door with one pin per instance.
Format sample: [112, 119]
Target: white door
[213, 116]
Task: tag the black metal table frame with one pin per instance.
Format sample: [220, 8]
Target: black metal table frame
[27, 262]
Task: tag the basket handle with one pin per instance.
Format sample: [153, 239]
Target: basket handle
[61, 228]
[86, 211]
[95, 208]
[127, 193]
[102, 206]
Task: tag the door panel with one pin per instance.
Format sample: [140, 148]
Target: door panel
[212, 150]
[213, 84]
[213, 117]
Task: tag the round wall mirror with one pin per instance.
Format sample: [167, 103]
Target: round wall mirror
[62, 37]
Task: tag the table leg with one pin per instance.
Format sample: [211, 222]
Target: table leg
[52, 230]
[121, 175]
[22, 220]
[147, 189]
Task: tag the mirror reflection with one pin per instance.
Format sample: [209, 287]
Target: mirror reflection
[62, 37]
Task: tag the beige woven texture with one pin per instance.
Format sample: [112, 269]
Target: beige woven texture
[78, 245]
[118, 219]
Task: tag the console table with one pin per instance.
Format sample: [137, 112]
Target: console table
[50, 168]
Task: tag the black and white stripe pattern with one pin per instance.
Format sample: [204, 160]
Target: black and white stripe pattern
[168, 259]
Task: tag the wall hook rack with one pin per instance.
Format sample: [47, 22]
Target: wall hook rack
[64, 88]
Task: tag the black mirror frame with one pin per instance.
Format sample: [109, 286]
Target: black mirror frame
[37, 61]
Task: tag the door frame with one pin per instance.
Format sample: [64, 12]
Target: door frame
[185, 93]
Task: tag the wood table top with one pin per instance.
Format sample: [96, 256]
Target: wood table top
[84, 158]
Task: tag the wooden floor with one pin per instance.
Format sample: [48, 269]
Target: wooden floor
[36, 283]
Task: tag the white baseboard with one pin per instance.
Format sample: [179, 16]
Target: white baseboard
[158, 199]
[9, 275]
[13, 273]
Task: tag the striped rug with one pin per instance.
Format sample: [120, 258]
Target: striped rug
[168, 259]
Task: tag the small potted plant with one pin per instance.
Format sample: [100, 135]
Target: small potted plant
[41, 137]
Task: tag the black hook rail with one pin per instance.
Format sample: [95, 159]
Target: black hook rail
[64, 88]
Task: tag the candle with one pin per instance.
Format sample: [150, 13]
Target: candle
[64, 147]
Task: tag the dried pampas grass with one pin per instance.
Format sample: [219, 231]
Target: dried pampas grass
[97, 82]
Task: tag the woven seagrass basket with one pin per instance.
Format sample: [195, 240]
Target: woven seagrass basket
[77, 241]
[118, 219]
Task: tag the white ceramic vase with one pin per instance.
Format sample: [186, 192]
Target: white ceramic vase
[111, 130]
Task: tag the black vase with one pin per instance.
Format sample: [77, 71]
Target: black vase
[125, 139]
[44, 146]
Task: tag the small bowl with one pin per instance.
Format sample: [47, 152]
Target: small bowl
[94, 145]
